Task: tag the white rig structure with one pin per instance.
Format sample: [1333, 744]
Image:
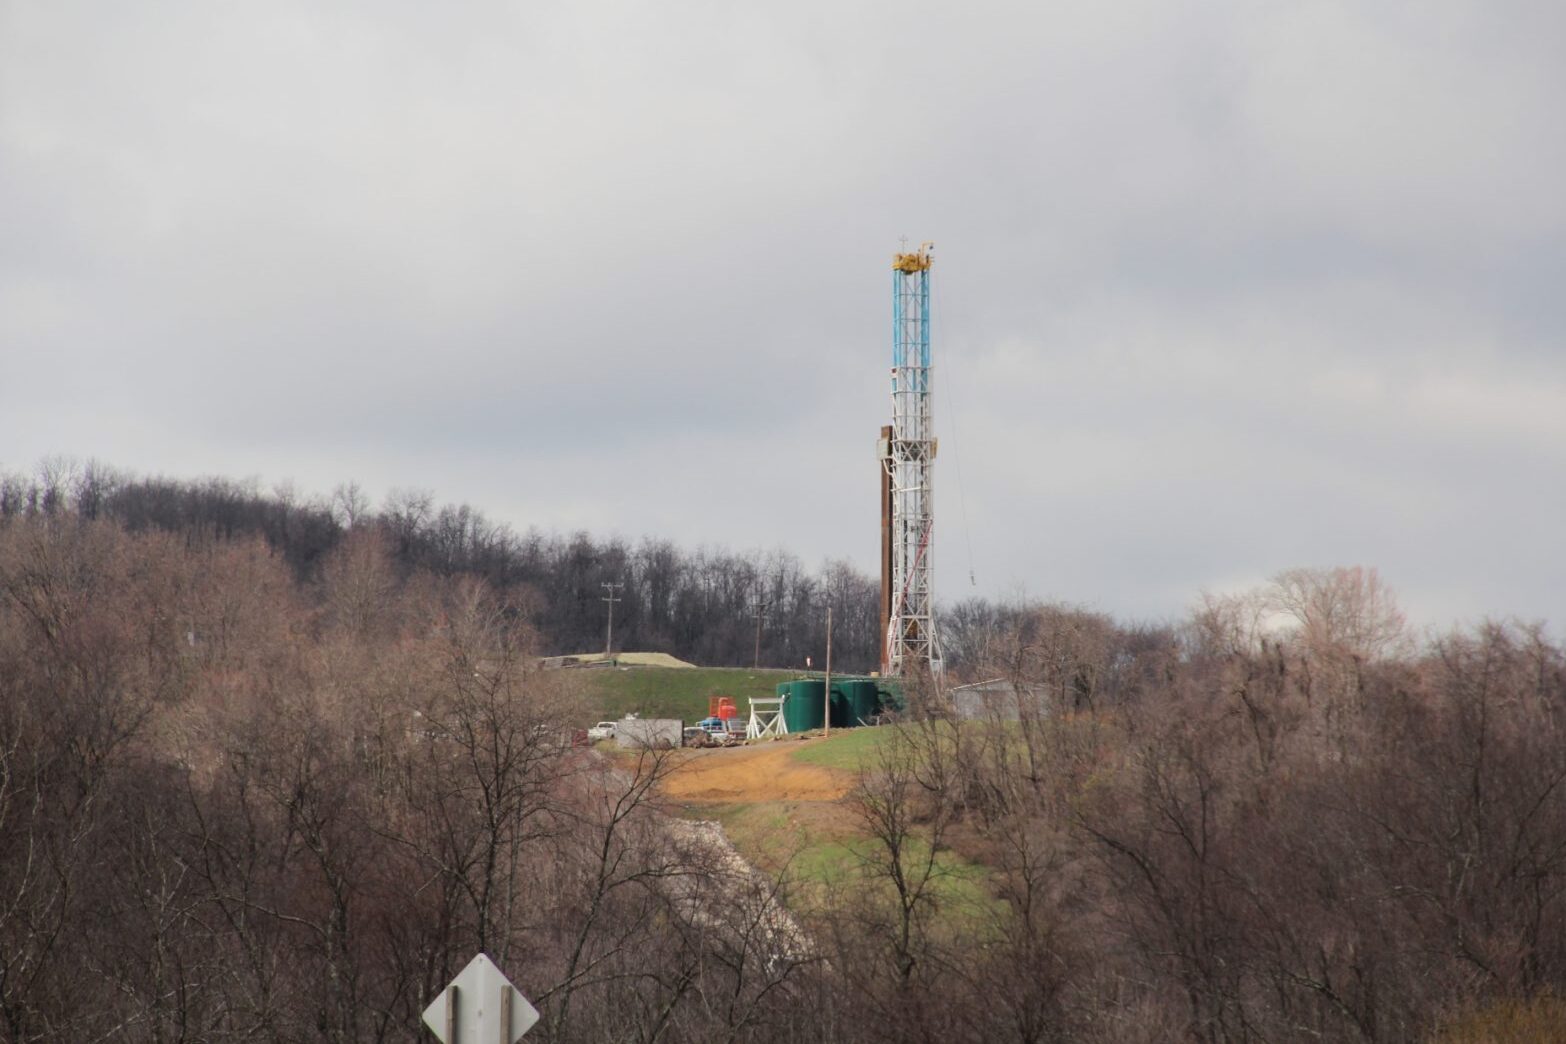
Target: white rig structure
[908, 457]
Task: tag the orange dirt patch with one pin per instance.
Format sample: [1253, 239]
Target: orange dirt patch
[764, 772]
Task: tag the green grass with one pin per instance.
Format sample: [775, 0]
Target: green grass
[850, 749]
[766, 832]
[822, 845]
[667, 692]
[827, 869]
[828, 856]
[845, 749]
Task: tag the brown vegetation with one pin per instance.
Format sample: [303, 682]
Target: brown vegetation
[696, 605]
[238, 804]
[233, 807]
[1296, 835]
[758, 773]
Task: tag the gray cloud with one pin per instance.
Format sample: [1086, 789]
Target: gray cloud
[1221, 289]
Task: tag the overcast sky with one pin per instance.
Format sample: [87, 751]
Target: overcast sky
[1220, 288]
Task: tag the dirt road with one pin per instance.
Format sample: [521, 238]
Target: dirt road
[762, 772]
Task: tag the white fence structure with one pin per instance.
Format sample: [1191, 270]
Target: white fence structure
[766, 717]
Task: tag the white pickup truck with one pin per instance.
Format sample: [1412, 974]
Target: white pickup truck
[602, 731]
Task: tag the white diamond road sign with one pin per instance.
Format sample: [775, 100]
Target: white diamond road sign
[480, 1007]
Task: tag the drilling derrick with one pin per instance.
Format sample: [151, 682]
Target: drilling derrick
[908, 456]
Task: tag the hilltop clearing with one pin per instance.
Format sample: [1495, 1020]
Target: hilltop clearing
[624, 659]
[606, 693]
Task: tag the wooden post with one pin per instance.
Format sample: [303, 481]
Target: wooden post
[505, 1015]
[827, 696]
[451, 1014]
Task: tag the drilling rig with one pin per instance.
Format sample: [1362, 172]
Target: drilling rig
[907, 450]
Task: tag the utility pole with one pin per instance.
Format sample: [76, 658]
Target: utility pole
[611, 599]
[827, 716]
[761, 614]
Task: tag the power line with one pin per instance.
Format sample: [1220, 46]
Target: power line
[761, 614]
[611, 599]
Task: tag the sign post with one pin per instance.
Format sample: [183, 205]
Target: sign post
[480, 1007]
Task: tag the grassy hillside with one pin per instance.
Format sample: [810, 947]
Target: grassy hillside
[666, 692]
[789, 807]
[845, 749]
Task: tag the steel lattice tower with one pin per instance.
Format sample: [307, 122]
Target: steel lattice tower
[908, 457]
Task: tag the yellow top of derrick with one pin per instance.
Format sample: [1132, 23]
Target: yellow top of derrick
[918, 261]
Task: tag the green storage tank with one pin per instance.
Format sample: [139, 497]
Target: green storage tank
[841, 711]
[864, 701]
[805, 708]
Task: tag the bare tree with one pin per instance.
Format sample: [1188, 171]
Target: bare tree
[1344, 609]
[621, 860]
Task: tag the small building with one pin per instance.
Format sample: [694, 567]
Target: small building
[1000, 699]
[649, 733]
